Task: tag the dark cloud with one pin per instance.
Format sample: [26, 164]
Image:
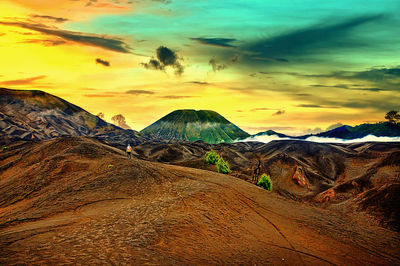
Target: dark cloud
[46, 42]
[374, 74]
[302, 94]
[279, 112]
[219, 42]
[282, 60]
[119, 120]
[216, 66]
[310, 106]
[102, 62]
[165, 57]
[366, 89]
[315, 39]
[113, 44]
[138, 92]
[342, 86]
[198, 82]
[50, 18]
[153, 64]
[26, 81]
[383, 78]
[347, 87]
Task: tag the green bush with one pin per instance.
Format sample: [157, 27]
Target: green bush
[212, 157]
[223, 167]
[265, 182]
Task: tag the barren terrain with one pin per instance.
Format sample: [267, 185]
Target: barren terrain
[77, 200]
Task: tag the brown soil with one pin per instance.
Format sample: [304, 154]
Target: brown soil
[78, 201]
[301, 170]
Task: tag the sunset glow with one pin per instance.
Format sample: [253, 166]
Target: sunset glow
[292, 67]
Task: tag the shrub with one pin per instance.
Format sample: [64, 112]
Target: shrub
[212, 157]
[265, 182]
[223, 167]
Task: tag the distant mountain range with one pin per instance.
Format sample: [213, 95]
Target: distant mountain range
[36, 115]
[192, 125]
[382, 129]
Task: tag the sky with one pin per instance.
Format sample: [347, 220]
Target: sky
[294, 66]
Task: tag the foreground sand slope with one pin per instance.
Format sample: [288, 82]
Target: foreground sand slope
[76, 200]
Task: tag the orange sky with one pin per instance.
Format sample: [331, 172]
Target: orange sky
[53, 46]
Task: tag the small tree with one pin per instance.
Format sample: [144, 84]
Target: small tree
[265, 182]
[223, 166]
[212, 157]
[392, 116]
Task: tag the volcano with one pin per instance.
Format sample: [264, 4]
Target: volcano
[192, 125]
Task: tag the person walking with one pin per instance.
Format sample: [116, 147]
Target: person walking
[129, 151]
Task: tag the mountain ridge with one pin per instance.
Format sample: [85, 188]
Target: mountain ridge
[37, 115]
[380, 129]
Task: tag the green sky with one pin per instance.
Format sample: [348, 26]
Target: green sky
[291, 65]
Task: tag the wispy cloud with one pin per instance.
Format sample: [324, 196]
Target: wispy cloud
[312, 106]
[219, 42]
[138, 92]
[46, 42]
[175, 97]
[262, 109]
[310, 40]
[99, 95]
[49, 18]
[198, 82]
[110, 43]
[25, 81]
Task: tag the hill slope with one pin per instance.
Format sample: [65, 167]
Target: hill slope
[302, 170]
[192, 125]
[78, 201]
[36, 115]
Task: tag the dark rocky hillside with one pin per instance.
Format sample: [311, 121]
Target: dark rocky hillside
[36, 115]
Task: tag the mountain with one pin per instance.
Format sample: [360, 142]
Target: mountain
[192, 125]
[382, 129]
[37, 115]
[270, 133]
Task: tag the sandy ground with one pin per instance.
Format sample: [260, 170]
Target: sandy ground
[62, 203]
